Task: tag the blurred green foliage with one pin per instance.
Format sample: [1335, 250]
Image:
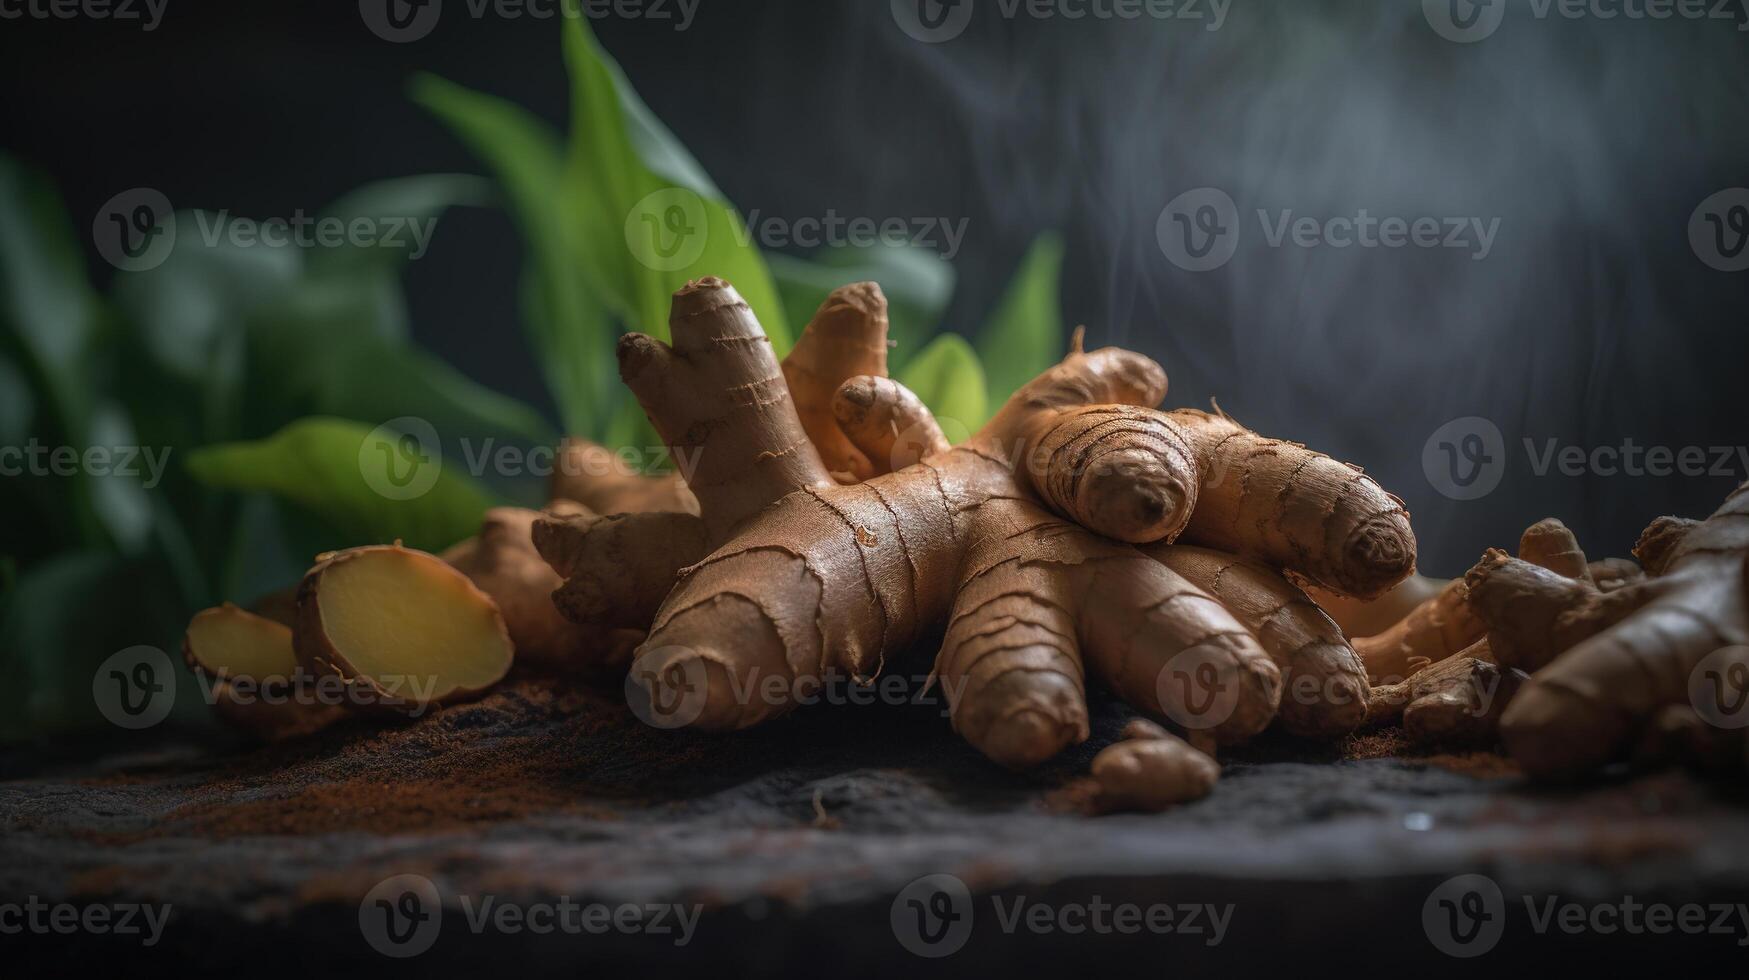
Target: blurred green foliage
[271, 384]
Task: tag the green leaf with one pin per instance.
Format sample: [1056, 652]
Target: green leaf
[17, 404]
[316, 354]
[49, 313]
[370, 485]
[647, 219]
[917, 281]
[200, 292]
[51, 642]
[1025, 335]
[947, 376]
[567, 324]
[402, 214]
[120, 498]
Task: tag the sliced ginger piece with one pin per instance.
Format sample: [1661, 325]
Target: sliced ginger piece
[257, 684]
[228, 642]
[402, 625]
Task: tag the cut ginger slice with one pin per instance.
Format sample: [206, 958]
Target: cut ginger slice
[228, 642]
[256, 683]
[402, 625]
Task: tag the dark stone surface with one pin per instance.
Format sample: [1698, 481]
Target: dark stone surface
[796, 838]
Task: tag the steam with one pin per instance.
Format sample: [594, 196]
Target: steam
[1591, 141]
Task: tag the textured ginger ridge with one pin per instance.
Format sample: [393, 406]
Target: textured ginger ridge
[1607, 664]
[1015, 550]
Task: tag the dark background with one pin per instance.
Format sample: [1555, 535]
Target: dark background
[1592, 141]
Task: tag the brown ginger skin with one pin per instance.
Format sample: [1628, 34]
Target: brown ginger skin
[1438, 628]
[602, 482]
[502, 561]
[1455, 703]
[846, 338]
[1605, 665]
[284, 704]
[1325, 688]
[1149, 769]
[981, 545]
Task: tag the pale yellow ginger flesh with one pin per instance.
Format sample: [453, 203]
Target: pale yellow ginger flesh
[232, 643]
[402, 622]
[257, 683]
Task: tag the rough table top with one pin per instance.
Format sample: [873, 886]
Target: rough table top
[781, 849]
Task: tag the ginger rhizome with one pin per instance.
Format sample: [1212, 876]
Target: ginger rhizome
[387, 627]
[256, 680]
[1611, 660]
[1149, 768]
[502, 561]
[1435, 671]
[402, 627]
[1015, 553]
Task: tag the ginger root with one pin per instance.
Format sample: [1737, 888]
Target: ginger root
[1606, 664]
[256, 681]
[502, 561]
[988, 547]
[1149, 769]
[1456, 702]
[403, 627]
[1439, 628]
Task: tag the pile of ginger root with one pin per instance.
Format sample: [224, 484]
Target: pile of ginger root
[1219, 582]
